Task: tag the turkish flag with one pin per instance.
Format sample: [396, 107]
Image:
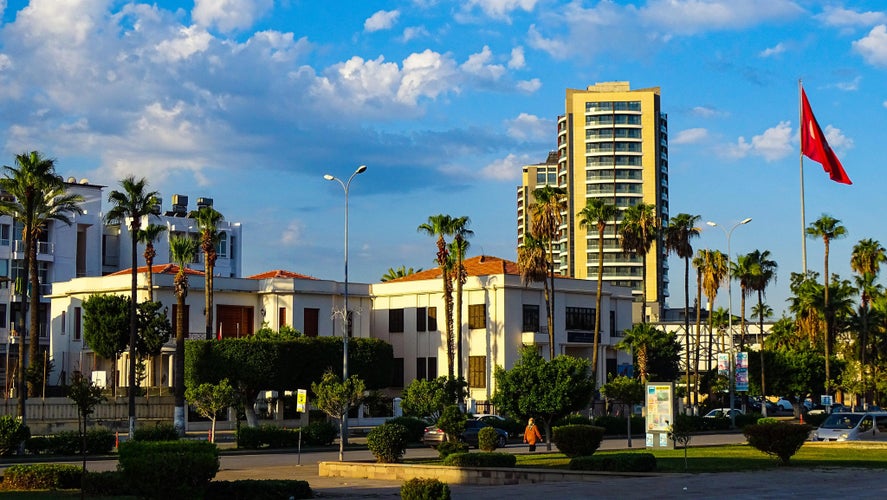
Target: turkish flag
[815, 147]
[219, 336]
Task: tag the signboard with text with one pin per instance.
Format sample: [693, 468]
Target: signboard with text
[742, 371]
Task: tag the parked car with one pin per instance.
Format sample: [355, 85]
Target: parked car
[871, 426]
[785, 405]
[434, 435]
[722, 412]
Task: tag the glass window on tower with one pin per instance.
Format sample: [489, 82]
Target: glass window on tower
[5, 230]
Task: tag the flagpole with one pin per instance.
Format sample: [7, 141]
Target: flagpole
[801, 162]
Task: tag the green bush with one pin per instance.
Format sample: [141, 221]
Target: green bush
[767, 420]
[388, 442]
[573, 420]
[320, 433]
[253, 489]
[42, 477]
[106, 484]
[12, 433]
[616, 426]
[452, 422]
[487, 439]
[161, 431]
[416, 427]
[780, 440]
[273, 436]
[37, 445]
[447, 448]
[577, 440]
[746, 419]
[168, 469]
[249, 438]
[424, 489]
[99, 441]
[481, 459]
[615, 462]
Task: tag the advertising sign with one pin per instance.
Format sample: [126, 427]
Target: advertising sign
[301, 400]
[660, 410]
[723, 364]
[742, 371]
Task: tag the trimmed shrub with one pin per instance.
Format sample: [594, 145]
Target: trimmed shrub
[481, 459]
[253, 489]
[574, 420]
[168, 469]
[487, 439]
[615, 462]
[161, 431]
[452, 422]
[577, 440]
[249, 438]
[12, 433]
[616, 426]
[320, 433]
[767, 420]
[388, 442]
[108, 483]
[416, 427]
[273, 436]
[424, 489]
[42, 477]
[37, 445]
[447, 448]
[780, 440]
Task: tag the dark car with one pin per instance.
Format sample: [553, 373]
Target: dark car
[433, 435]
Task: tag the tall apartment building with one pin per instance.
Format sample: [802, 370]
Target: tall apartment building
[612, 143]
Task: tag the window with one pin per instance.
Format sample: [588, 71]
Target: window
[3, 318]
[421, 368]
[4, 234]
[64, 319]
[432, 319]
[397, 373]
[613, 331]
[580, 318]
[311, 316]
[281, 317]
[421, 319]
[222, 245]
[531, 318]
[432, 368]
[477, 316]
[477, 372]
[395, 321]
[77, 323]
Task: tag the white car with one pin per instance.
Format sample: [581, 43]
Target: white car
[722, 412]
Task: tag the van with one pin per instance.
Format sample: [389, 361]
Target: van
[869, 426]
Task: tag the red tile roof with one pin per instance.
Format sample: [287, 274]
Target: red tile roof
[483, 265]
[279, 273]
[159, 269]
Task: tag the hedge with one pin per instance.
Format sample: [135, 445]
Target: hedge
[168, 469]
[481, 459]
[577, 440]
[780, 439]
[253, 489]
[42, 477]
[615, 462]
[424, 489]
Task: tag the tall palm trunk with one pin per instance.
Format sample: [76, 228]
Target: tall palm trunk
[34, 312]
[828, 322]
[742, 321]
[687, 319]
[761, 349]
[149, 276]
[181, 290]
[459, 314]
[549, 302]
[208, 296]
[598, 301]
[698, 339]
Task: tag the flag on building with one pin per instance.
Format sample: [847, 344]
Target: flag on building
[815, 147]
[219, 336]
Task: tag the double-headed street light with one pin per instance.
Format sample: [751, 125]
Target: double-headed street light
[732, 375]
[346, 186]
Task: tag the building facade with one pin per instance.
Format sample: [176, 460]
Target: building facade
[612, 143]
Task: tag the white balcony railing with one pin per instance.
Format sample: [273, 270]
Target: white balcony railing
[43, 247]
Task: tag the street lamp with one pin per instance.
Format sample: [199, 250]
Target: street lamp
[346, 186]
[732, 381]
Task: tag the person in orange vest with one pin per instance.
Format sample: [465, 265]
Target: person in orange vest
[531, 434]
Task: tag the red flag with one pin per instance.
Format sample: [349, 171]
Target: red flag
[815, 147]
[219, 336]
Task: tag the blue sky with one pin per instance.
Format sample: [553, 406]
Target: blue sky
[251, 102]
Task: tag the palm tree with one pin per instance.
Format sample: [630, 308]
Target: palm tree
[208, 220]
[597, 213]
[36, 196]
[547, 218]
[638, 339]
[638, 232]
[743, 270]
[713, 273]
[828, 228]
[679, 233]
[440, 226]
[183, 250]
[699, 264]
[866, 262]
[458, 249]
[400, 272]
[533, 266]
[133, 203]
[147, 237]
[765, 272]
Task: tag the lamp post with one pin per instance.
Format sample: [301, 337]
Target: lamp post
[732, 381]
[345, 186]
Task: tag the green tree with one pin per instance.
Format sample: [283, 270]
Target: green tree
[335, 398]
[714, 270]
[544, 390]
[828, 228]
[765, 272]
[628, 391]
[743, 269]
[637, 233]
[86, 397]
[106, 328]
[458, 249]
[427, 398]
[400, 272]
[155, 330]
[147, 237]
[547, 216]
[533, 266]
[208, 220]
[868, 254]
[132, 204]
[639, 340]
[36, 196]
[679, 233]
[182, 250]
[597, 213]
[440, 226]
[210, 399]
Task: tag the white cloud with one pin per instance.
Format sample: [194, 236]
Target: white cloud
[504, 169]
[690, 136]
[479, 65]
[686, 17]
[229, 15]
[527, 127]
[846, 18]
[529, 86]
[836, 139]
[517, 60]
[413, 32]
[774, 144]
[873, 47]
[292, 235]
[381, 20]
[500, 9]
[190, 41]
[777, 49]
[849, 85]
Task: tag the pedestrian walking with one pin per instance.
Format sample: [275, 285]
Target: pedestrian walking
[531, 434]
